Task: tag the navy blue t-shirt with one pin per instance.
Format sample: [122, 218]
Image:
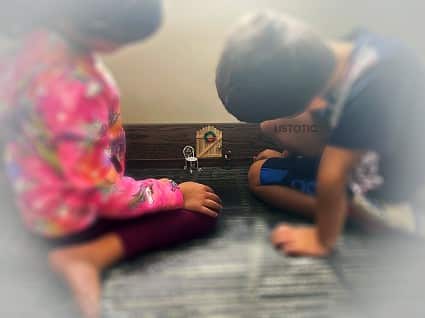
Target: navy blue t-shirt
[378, 108]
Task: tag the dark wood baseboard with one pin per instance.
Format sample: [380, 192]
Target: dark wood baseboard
[179, 163]
[160, 145]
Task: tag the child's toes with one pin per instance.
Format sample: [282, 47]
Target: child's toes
[282, 234]
[288, 248]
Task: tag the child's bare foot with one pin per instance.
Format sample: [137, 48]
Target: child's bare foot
[82, 278]
[298, 241]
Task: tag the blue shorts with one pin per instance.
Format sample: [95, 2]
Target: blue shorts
[297, 173]
[300, 174]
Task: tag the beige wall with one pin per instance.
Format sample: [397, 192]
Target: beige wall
[170, 77]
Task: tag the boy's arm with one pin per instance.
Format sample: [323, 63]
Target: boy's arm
[299, 134]
[330, 211]
[334, 171]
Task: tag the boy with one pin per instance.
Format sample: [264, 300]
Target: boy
[353, 103]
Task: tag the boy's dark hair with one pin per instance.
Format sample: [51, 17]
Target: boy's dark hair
[272, 67]
[118, 21]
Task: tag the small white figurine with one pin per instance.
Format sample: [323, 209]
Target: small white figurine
[191, 160]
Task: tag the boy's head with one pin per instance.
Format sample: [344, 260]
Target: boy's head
[272, 66]
[94, 23]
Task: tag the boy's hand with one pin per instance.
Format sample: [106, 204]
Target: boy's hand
[270, 153]
[200, 198]
[299, 241]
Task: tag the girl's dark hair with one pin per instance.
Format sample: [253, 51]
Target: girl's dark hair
[119, 21]
[272, 66]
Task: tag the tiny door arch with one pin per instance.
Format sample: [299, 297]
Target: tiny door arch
[209, 142]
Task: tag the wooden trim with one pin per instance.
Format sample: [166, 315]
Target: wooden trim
[160, 145]
[179, 163]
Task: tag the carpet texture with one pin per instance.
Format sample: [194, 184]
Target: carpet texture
[232, 273]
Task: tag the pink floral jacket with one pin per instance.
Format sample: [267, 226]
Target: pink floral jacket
[64, 141]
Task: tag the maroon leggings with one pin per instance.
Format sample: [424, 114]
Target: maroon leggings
[149, 232]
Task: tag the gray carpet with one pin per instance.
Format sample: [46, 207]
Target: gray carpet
[236, 272]
[233, 272]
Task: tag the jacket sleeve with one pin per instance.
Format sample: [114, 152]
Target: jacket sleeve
[131, 198]
[77, 117]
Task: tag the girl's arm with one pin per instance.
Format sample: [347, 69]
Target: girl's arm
[131, 198]
[77, 123]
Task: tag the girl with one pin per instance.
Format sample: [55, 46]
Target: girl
[65, 145]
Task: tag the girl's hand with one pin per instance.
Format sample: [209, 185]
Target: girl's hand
[270, 153]
[200, 198]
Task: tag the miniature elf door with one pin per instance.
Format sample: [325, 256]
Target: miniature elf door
[209, 142]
